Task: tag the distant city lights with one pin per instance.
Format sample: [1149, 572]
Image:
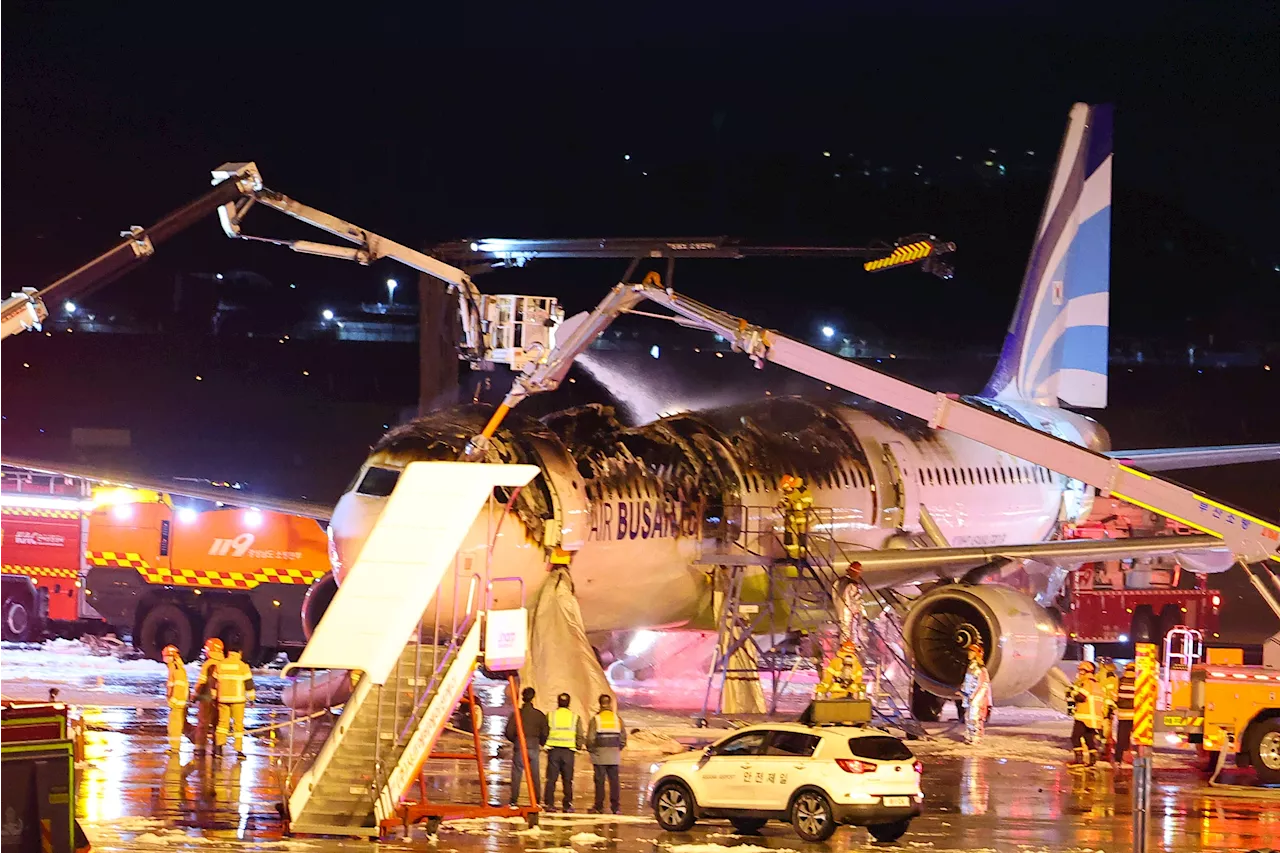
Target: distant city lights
[626, 156]
[392, 284]
[199, 378]
[828, 332]
[219, 276]
[327, 314]
[69, 307]
[654, 351]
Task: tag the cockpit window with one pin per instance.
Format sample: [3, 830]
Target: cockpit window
[378, 482]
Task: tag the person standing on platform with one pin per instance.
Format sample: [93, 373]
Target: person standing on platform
[536, 732]
[606, 738]
[563, 740]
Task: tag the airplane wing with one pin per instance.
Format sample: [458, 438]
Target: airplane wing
[306, 509]
[897, 566]
[1177, 458]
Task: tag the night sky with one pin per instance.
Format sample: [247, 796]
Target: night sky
[427, 125]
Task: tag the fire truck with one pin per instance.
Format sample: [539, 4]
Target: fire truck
[128, 560]
[1120, 602]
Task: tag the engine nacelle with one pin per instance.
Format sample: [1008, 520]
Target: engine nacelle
[316, 602]
[1022, 640]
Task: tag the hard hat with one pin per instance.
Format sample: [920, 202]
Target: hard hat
[788, 481]
[170, 652]
[213, 646]
[975, 650]
[847, 647]
[1087, 666]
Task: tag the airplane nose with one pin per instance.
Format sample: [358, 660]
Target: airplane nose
[353, 520]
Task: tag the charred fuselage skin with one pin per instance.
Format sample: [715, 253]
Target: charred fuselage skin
[638, 506]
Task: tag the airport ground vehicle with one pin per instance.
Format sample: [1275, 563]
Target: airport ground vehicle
[129, 561]
[1224, 706]
[174, 576]
[1135, 600]
[815, 777]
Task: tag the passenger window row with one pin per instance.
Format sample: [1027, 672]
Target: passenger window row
[1017, 474]
[845, 477]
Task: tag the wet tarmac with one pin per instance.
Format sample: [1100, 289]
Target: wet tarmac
[132, 795]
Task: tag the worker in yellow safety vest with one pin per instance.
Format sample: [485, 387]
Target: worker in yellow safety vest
[233, 686]
[796, 502]
[606, 738]
[206, 704]
[1089, 705]
[842, 679]
[566, 737]
[1126, 693]
[175, 695]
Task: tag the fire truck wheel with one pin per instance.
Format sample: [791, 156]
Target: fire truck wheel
[17, 618]
[1264, 750]
[234, 627]
[164, 625]
[1142, 628]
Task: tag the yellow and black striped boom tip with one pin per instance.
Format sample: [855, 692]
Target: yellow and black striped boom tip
[905, 254]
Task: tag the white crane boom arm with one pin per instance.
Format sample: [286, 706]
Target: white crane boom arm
[1249, 539]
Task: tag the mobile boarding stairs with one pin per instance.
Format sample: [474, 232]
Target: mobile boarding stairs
[410, 652]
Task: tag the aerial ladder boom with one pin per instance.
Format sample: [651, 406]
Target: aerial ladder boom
[1249, 539]
[26, 310]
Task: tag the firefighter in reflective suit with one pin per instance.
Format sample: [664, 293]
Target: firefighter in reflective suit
[206, 705]
[1089, 707]
[175, 695]
[977, 696]
[795, 505]
[842, 679]
[233, 686]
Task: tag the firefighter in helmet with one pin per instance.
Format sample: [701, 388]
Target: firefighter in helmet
[1109, 681]
[206, 704]
[796, 502]
[1089, 703]
[175, 694]
[977, 696]
[842, 679]
[233, 687]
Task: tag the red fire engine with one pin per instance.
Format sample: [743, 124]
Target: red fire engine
[1126, 601]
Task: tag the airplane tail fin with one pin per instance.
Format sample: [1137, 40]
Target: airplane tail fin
[1056, 350]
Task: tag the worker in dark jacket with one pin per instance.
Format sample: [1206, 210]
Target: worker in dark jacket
[1124, 712]
[606, 738]
[536, 732]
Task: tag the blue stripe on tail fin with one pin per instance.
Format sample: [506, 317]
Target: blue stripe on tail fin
[1056, 349]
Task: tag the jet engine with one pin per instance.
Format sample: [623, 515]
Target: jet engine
[1021, 639]
[316, 602]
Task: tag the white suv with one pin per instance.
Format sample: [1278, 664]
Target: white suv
[816, 777]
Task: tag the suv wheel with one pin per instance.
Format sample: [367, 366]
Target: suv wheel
[889, 831]
[673, 807]
[811, 816]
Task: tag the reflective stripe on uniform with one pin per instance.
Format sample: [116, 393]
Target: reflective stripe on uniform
[608, 731]
[234, 681]
[564, 729]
